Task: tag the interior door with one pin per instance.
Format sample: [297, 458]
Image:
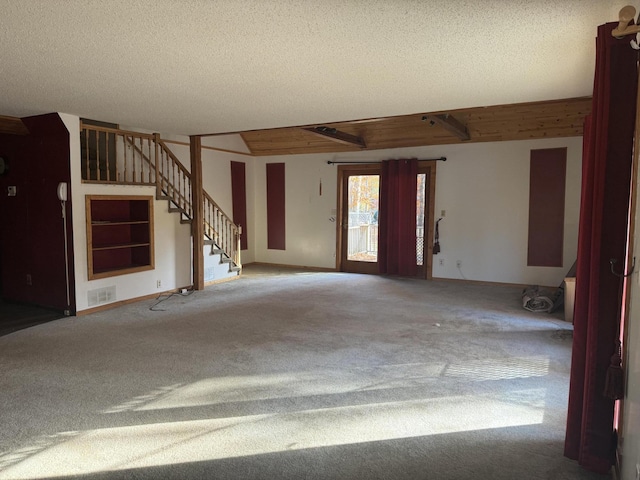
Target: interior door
[360, 191]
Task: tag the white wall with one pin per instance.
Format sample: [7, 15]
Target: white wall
[216, 179]
[630, 440]
[310, 235]
[483, 188]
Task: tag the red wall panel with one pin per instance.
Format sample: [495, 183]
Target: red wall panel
[548, 169]
[239, 199]
[276, 231]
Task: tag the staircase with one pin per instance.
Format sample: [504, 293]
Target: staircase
[114, 156]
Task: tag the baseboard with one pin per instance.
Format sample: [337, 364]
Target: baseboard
[487, 283]
[221, 280]
[291, 267]
[109, 306]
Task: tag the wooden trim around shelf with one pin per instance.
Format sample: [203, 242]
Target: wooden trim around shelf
[101, 248]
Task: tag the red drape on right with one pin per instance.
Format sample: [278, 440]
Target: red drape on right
[606, 176]
[397, 236]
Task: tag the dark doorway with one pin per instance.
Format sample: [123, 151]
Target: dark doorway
[17, 316]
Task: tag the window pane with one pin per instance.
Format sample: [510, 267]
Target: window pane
[362, 239]
[420, 207]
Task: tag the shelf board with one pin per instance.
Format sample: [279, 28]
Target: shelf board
[112, 271]
[120, 245]
[96, 223]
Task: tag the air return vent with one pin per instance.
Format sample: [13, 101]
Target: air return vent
[100, 296]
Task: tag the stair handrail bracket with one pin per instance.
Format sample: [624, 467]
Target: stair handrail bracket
[124, 157]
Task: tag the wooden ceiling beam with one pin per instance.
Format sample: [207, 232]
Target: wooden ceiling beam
[12, 126]
[450, 124]
[548, 119]
[337, 136]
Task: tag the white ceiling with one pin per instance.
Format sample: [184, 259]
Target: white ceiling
[206, 66]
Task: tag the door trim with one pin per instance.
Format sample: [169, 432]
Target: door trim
[343, 172]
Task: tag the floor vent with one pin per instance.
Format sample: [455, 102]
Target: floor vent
[100, 296]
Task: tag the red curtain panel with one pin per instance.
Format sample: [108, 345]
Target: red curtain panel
[397, 218]
[606, 176]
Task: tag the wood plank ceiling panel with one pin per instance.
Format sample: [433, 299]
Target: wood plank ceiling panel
[550, 119]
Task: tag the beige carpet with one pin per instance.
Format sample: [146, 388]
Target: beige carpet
[293, 375]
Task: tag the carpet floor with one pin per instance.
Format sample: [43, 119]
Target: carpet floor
[293, 375]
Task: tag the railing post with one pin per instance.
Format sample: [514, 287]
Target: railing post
[238, 247]
[156, 142]
[197, 221]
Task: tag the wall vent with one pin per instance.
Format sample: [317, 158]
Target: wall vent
[100, 296]
[209, 273]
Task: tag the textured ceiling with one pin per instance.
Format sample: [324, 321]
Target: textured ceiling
[194, 67]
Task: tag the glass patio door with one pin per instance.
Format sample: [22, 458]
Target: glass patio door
[359, 193]
[360, 221]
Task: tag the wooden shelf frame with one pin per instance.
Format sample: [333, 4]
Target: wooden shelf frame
[120, 234]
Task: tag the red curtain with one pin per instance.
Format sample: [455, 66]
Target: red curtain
[606, 176]
[397, 236]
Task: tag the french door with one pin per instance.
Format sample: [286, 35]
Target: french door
[358, 219]
[358, 201]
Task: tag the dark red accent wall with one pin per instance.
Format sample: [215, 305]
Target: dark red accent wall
[32, 238]
[276, 232]
[239, 199]
[548, 169]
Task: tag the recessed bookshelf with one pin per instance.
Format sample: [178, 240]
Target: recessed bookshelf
[119, 234]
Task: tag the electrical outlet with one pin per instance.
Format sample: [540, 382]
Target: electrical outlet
[159, 283]
[458, 263]
[29, 281]
[441, 262]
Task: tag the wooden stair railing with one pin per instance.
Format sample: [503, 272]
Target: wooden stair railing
[174, 180]
[221, 231]
[123, 157]
[116, 156]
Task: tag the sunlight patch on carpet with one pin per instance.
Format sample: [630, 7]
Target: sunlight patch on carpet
[140, 446]
[244, 388]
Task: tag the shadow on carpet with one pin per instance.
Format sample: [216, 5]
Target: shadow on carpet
[15, 316]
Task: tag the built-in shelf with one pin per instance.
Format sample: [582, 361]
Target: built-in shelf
[119, 234]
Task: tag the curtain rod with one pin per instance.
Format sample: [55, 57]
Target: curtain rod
[439, 159]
